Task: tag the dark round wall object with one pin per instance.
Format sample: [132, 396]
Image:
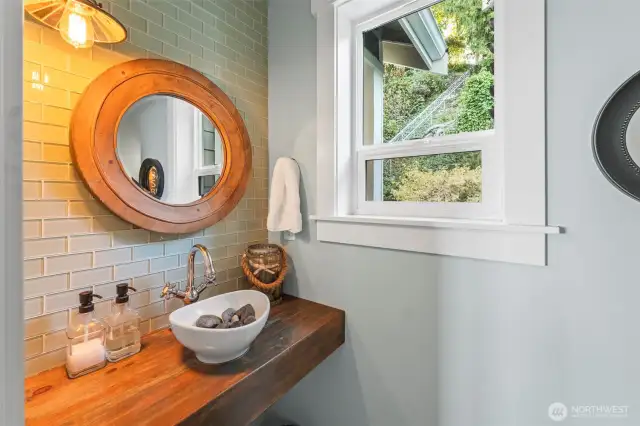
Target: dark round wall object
[610, 138]
[150, 169]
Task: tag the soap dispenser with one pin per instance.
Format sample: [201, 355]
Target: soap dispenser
[123, 326]
[85, 339]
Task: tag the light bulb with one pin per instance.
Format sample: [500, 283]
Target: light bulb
[75, 25]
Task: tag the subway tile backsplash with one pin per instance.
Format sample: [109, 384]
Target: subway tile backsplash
[72, 242]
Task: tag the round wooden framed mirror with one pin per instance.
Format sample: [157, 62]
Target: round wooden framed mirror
[161, 146]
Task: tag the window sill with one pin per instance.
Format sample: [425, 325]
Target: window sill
[525, 244]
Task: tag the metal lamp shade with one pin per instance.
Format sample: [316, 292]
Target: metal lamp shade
[80, 22]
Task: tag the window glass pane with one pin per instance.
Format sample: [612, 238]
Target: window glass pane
[207, 125]
[208, 157]
[208, 148]
[206, 183]
[438, 178]
[219, 151]
[429, 73]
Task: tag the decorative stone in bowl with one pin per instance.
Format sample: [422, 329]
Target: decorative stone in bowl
[216, 346]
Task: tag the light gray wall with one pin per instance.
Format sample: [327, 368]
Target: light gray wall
[11, 346]
[454, 342]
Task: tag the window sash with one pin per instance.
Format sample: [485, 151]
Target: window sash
[486, 142]
[488, 208]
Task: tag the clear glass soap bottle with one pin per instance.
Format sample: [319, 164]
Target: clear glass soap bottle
[85, 339]
[123, 327]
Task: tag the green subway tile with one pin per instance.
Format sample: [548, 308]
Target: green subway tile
[162, 34]
[176, 27]
[145, 11]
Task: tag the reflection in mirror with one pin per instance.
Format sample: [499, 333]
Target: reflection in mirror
[170, 149]
[633, 138]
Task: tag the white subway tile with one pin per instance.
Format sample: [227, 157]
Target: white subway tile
[65, 191]
[215, 253]
[43, 285]
[140, 298]
[235, 273]
[44, 209]
[217, 240]
[91, 208]
[50, 171]
[31, 151]
[148, 251]
[44, 247]
[44, 362]
[151, 311]
[56, 153]
[45, 133]
[130, 270]
[31, 229]
[108, 290]
[59, 301]
[91, 277]
[32, 347]
[164, 263]
[159, 323]
[31, 111]
[33, 307]
[33, 268]
[129, 19]
[112, 257]
[144, 328]
[55, 340]
[149, 281]
[72, 262]
[173, 304]
[31, 190]
[175, 275]
[46, 324]
[217, 229]
[56, 116]
[61, 227]
[177, 246]
[129, 238]
[89, 242]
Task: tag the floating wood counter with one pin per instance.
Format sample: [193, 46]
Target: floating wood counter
[165, 384]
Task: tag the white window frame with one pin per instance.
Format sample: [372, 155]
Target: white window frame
[485, 142]
[201, 169]
[512, 227]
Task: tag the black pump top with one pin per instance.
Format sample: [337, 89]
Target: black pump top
[122, 291]
[86, 301]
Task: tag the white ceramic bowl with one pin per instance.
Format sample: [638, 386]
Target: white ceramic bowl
[214, 346]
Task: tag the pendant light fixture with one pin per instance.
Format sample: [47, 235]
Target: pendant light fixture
[80, 22]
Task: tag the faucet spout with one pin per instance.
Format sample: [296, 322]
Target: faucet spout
[191, 294]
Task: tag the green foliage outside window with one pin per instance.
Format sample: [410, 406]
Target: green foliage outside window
[476, 103]
[460, 184]
[452, 177]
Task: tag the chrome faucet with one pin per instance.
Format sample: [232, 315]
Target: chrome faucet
[192, 292]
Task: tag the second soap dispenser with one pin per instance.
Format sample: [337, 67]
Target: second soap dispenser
[123, 327]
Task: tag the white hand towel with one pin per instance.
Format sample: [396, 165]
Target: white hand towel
[284, 203]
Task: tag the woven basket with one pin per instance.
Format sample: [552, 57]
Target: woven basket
[265, 266]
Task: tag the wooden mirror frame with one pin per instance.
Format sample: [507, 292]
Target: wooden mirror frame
[93, 135]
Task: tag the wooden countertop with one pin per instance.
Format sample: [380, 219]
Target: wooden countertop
[165, 384]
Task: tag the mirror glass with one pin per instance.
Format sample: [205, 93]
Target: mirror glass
[170, 149]
[633, 138]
